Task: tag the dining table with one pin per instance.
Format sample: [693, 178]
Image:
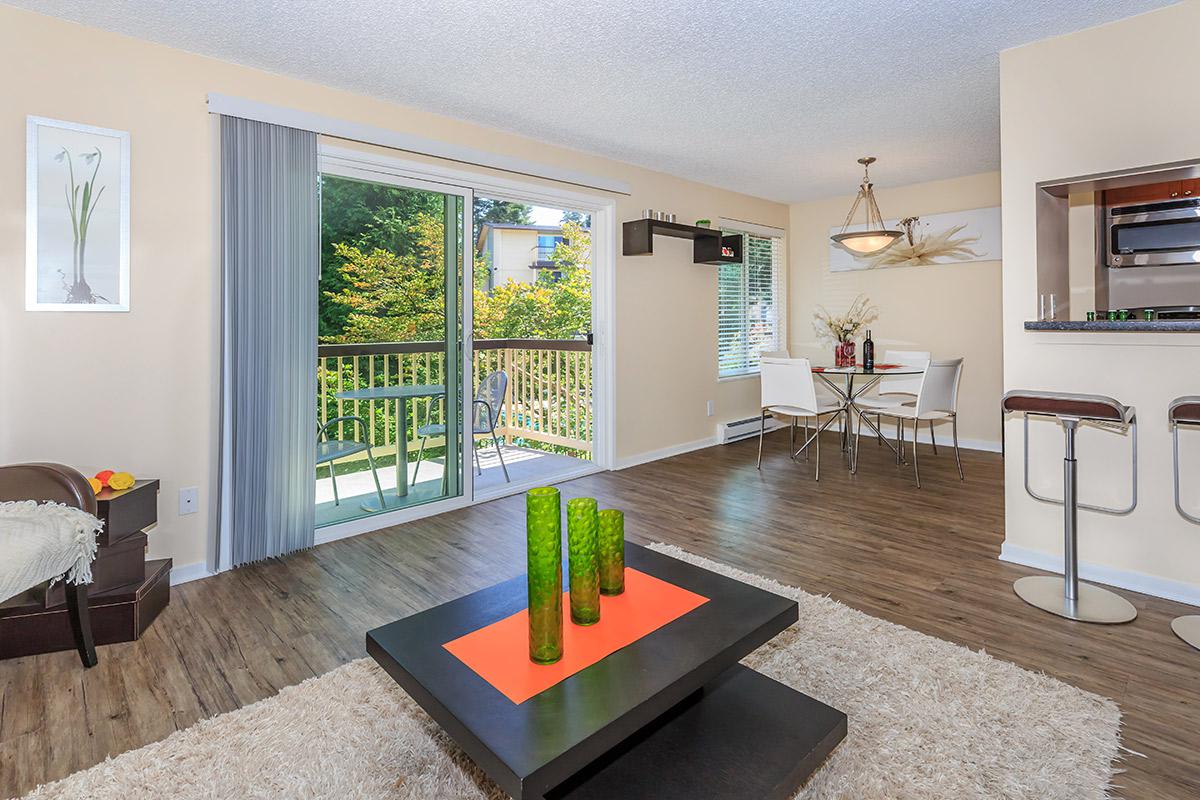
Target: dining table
[850, 390]
[401, 395]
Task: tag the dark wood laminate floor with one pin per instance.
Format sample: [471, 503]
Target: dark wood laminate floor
[925, 559]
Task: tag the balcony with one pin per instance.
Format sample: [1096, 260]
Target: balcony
[542, 257]
[545, 425]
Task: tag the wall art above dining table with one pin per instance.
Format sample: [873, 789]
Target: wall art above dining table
[954, 237]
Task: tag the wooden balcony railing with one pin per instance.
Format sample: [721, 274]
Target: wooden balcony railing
[548, 404]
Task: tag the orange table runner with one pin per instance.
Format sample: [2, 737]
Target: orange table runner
[499, 653]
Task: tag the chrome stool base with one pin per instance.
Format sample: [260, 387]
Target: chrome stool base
[1188, 629]
[1094, 604]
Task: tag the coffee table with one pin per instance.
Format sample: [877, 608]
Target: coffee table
[672, 715]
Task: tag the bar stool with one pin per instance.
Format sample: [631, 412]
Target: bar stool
[1184, 411]
[1066, 596]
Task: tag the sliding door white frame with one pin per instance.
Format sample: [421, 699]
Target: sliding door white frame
[374, 166]
[331, 164]
[604, 243]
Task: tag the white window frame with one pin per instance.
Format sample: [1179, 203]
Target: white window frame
[779, 278]
[376, 166]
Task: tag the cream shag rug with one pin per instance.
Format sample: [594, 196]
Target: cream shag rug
[928, 719]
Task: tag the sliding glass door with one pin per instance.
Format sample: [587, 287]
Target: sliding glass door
[390, 354]
[533, 323]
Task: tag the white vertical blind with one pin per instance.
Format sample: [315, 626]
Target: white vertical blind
[749, 305]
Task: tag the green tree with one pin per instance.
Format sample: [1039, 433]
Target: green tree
[391, 297]
[365, 216]
[557, 306]
[487, 210]
[577, 216]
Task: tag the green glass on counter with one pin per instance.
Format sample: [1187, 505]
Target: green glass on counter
[1112, 316]
[1091, 316]
[583, 563]
[543, 530]
[612, 551]
[1123, 314]
[1148, 314]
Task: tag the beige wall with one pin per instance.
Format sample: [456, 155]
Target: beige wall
[139, 390]
[1056, 123]
[950, 310]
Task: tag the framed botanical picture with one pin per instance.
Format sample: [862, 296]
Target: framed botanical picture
[77, 217]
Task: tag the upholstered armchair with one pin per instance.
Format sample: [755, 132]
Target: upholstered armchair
[26, 557]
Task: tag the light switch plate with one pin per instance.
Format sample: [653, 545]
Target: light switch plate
[189, 500]
[711, 408]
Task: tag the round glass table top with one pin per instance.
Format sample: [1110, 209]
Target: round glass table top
[880, 369]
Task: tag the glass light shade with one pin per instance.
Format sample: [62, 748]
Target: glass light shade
[865, 243]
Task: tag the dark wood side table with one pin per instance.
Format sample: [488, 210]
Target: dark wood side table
[127, 591]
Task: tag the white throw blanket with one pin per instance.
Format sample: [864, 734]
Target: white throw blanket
[41, 541]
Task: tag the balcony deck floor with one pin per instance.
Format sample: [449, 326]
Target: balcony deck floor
[525, 465]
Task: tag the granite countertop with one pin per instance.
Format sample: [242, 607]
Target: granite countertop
[1155, 326]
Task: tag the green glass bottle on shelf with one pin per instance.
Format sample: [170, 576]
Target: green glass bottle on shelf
[612, 551]
[583, 561]
[543, 529]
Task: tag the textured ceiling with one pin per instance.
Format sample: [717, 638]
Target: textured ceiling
[768, 97]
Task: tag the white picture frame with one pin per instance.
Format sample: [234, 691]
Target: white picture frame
[69, 267]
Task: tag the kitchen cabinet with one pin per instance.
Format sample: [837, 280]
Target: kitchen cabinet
[1148, 193]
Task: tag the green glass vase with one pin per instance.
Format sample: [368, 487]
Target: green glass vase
[612, 551]
[583, 561]
[543, 530]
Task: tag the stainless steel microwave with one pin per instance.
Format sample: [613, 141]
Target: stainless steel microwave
[1154, 234]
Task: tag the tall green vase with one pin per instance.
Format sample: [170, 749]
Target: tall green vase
[583, 560]
[543, 530]
[612, 551]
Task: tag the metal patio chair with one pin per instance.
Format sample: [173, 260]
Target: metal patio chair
[330, 449]
[486, 407]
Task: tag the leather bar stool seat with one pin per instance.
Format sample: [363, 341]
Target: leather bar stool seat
[1068, 596]
[1184, 411]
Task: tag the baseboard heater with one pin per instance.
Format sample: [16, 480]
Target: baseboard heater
[743, 429]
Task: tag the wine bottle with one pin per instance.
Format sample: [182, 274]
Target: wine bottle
[868, 353]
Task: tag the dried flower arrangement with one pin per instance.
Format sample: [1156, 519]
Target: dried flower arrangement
[845, 327]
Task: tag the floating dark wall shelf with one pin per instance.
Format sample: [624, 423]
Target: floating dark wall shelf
[707, 243]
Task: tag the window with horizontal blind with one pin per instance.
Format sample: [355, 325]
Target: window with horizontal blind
[749, 304]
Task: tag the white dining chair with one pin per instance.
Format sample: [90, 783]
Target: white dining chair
[788, 390]
[937, 399]
[896, 390]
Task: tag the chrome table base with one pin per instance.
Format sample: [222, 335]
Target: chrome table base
[1188, 629]
[1093, 604]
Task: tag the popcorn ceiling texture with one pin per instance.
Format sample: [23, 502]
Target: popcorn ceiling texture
[773, 98]
[927, 719]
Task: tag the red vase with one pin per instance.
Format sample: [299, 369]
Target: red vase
[843, 355]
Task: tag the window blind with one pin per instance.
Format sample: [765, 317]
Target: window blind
[749, 305]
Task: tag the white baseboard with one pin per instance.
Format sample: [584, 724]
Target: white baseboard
[190, 572]
[944, 438]
[1121, 578]
[666, 452]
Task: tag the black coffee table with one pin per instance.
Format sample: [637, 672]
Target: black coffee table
[672, 715]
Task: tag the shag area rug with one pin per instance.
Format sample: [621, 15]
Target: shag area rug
[928, 719]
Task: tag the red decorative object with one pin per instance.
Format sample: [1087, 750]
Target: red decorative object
[843, 355]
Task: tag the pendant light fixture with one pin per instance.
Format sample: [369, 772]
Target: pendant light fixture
[875, 238]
